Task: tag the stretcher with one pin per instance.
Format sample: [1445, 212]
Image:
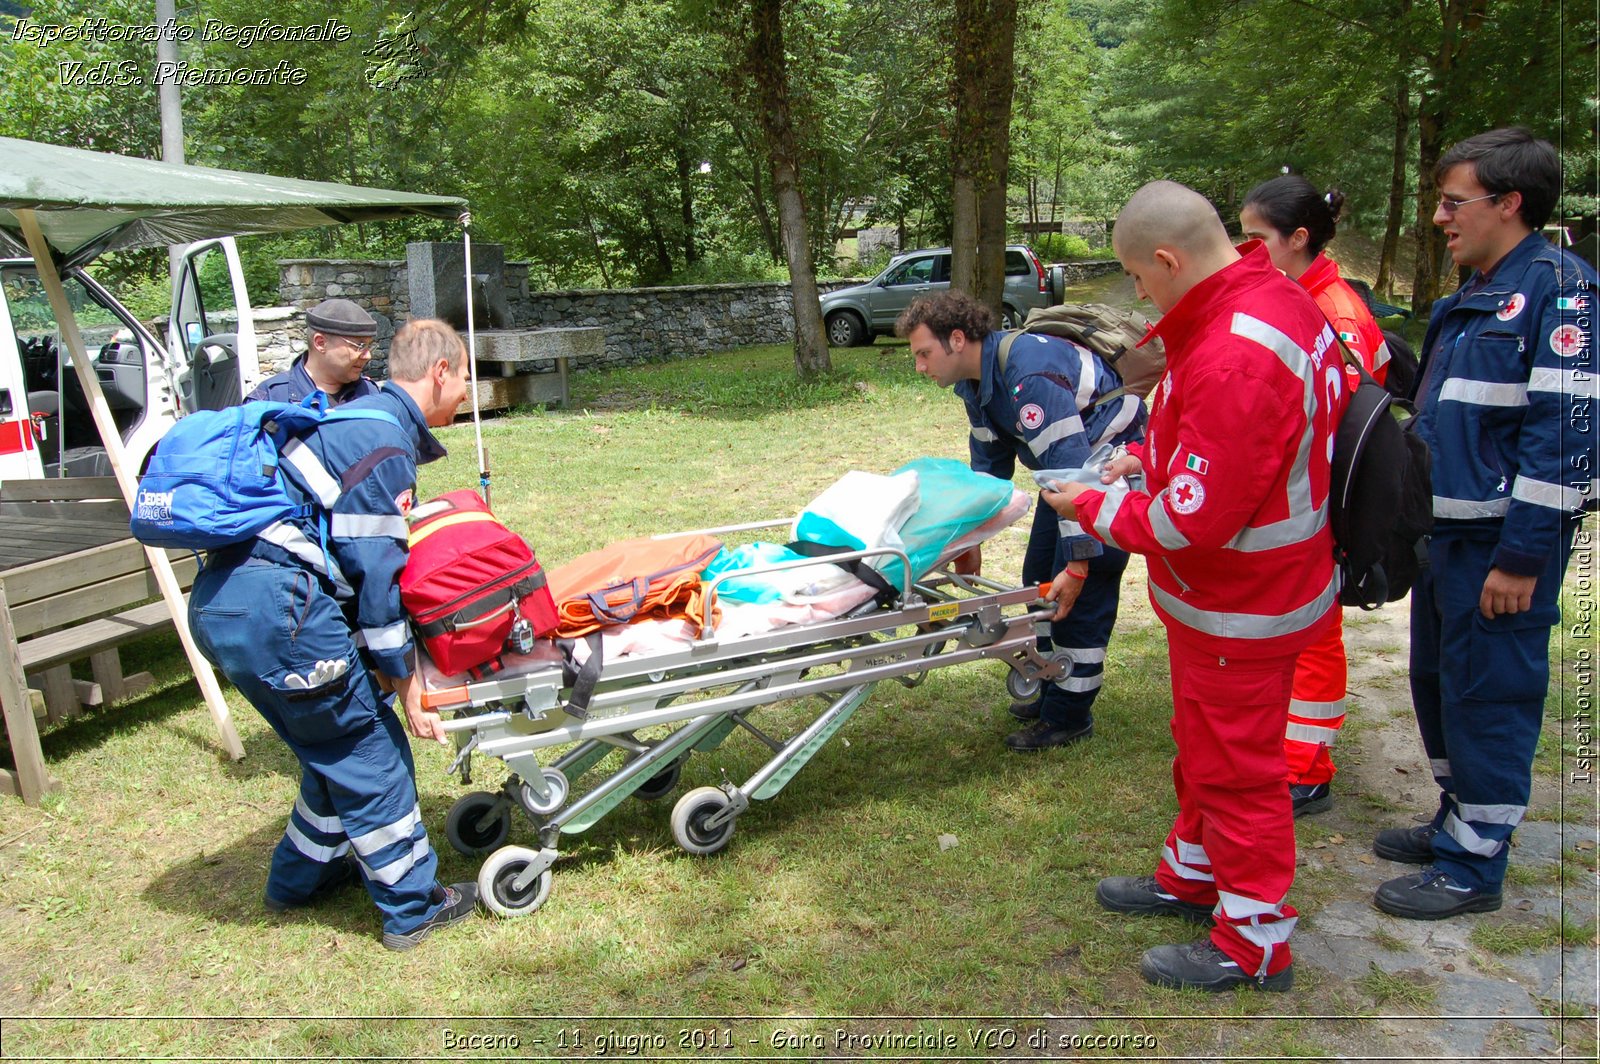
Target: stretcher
[661, 701]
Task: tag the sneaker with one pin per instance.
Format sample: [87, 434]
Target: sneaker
[1143, 896]
[340, 875]
[1309, 798]
[1432, 895]
[1041, 736]
[459, 902]
[1202, 966]
[1406, 845]
[1025, 710]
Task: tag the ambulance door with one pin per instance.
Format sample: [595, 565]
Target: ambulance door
[28, 340]
[211, 333]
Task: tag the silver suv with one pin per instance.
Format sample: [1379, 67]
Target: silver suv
[856, 316]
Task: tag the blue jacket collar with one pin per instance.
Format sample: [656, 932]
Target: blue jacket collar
[1507, 274]
[429, 449]
[982, 389]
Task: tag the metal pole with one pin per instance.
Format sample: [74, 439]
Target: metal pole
[171, 104]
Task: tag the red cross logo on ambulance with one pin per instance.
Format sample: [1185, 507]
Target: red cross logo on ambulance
[1512, 308]
[1567, 341]
[1032, 416]
[1186, 493]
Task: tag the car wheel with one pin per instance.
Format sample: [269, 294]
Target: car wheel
[1009, 318]
[846, 330]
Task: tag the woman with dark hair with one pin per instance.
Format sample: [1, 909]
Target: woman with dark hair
[1295, 222]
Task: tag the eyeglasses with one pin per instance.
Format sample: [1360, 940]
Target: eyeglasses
[361, 346]
[1450, 206]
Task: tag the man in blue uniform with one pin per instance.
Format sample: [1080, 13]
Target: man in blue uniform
[1507, 389]
[1042, 404]
[337, 350]
[306, 620]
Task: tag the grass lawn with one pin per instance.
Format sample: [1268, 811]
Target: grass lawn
[130, 902]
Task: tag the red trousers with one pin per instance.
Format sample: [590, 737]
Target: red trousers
[1316, 707]
[1232, 846]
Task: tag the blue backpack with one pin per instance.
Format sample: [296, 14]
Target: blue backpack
[214, 478]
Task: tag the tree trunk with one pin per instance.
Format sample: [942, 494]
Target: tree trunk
[766, 65]
[1397, 187]
[983, 77]
[691, 253]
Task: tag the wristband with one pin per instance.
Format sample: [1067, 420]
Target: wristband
[1075, 574]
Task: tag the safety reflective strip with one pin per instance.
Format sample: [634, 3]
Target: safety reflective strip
[330, 824]
[983, 435]
[1080, 655]
[1161, 525]
[1087, 375]
[358, 526]
[1310, 733]
[1381, 357]
[1296, 529]
[1470, 840]
[1115, 494]
[1542, 493]
[391, 873]
[1298, 362]
[1127, 411]
[389, 637]
[1193, 853]
[1483, 393]
[288, 537]
[1080, 684]
[1066, 428]
[1267, 935]
[1182, 869]
[316, 475]
[1467, 509]
[313, 850]
[1239, 907]
[1299, 707]
[1491, 814]
[1440, 767]
[1068, 528]
[376, 839]
[1248, 625]
[1578, 383]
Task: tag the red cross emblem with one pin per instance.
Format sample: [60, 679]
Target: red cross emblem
[1186, 493]
[1031, 416]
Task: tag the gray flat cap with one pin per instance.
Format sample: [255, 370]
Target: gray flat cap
[340, 317]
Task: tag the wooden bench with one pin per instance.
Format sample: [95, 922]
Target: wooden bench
[73, 586]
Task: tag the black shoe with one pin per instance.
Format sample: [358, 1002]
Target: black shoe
[1432, 895]
[1309, 798]
[339, 876]
[1143, 896]
[459, 902]
[1407, 845]
[1202, 966]
[1025, 710]
[1041, 736]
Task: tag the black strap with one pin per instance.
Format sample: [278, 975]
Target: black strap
[857, 568]
[581, 678]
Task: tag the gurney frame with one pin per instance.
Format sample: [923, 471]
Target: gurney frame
[952, 619]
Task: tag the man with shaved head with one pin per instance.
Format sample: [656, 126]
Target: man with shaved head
[1233, 520]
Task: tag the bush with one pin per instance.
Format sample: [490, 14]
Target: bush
[1064, 247]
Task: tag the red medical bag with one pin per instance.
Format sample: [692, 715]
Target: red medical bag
[471, 583]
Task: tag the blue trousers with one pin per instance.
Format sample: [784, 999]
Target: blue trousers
[1478, 687]
[1082, 635]
[284, 642]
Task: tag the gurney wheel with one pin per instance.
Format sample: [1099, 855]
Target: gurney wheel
[660, 785]
[556, 781]
[689, 818]
[469, 828]
[1021, 688]
[497, 879]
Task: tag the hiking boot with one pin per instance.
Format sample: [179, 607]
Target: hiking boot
[1412, 845]
[1202, 966]
[1143, 896]
[339, 875]
[1025, 710]
[1309, 798]
[459, 902]
[1041, 736]
[1432, 895]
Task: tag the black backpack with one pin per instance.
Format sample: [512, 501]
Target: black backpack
[1380, 503]
[1402, 375]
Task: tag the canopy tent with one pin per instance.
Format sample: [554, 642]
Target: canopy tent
[64, 206]
[89, 202]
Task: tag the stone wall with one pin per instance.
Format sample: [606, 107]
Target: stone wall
[641, 324]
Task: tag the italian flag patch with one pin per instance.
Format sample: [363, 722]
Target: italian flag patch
[1194, 463]
[1569, 303]
[1348, 338]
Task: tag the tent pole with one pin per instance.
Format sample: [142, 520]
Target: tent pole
[472, 359]
[166, 579]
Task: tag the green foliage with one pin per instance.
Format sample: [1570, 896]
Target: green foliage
[1066, 247]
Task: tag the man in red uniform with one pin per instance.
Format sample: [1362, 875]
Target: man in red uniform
[1233, 522]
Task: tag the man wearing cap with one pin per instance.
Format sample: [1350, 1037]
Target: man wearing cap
[339, 349]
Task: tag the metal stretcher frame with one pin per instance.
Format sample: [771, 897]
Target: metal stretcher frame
[704, 692]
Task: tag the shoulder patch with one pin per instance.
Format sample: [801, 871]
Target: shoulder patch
[1567, 341]
[1031, 416]
[1513, 307]
[405, 501]
[1186, 493]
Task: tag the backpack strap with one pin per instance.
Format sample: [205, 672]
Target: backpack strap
[1355, 363]
[1005, 350]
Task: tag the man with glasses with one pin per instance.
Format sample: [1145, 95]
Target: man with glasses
[1506, 393]
[338, 350]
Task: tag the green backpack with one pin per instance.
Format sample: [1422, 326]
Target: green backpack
[1109, 332]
